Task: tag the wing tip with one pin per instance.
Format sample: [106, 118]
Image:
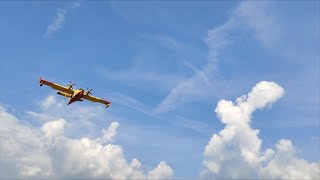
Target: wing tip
[41, 81]
[107, 103]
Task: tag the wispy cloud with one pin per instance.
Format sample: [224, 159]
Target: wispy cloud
[204, 77]
[185, 91]
[183, 54]
[59, 20]
[194, 125]
[164, 40]
[141, 78]
[130, 102]
[157, 78]
[57, 23]
[267, 28]
[198, 85]
[182, 50]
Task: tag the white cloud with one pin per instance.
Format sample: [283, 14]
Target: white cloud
[266, 24]
[79, 115]
[197, 71]
[140, 77]
[50, 101]
[165, 41]
[197, 86]
[129, 102]
[196, 126]
[28, 152]
[188, 90]
[39, 116]
[271, 28]
[256, 16]
[57, 22]
[235, 152]
[53, 130]
[60, 19]
[22, 151]
[162, 171]
[285, 165]
[147, 73]
[108, 134]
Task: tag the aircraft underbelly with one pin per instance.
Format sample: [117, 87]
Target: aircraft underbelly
[76, 97]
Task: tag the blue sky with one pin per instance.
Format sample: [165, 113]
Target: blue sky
[165, 66]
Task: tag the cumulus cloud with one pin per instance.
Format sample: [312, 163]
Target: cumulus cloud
[53, 130]
[162, 171]
[28, 152]
[82, 117]
[235, 152]
[285, 165]
[22, 152]
[49, 102]
[108, 134]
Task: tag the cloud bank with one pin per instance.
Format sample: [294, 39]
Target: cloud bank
[46, 152]
[235, 152]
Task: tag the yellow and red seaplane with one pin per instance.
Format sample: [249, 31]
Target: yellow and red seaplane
[74, 95]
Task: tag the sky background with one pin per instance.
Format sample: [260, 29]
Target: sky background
[164, 66]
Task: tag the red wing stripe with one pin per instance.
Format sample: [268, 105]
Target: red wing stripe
[106, 102]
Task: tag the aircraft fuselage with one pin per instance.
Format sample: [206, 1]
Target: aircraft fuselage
[77, 95]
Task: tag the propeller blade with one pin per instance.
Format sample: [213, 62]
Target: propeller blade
[71, 84]
[89, 90]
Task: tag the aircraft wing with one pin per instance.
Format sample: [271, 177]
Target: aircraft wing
[56, 86]
[95, 99]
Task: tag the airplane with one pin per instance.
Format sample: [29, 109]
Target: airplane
[74, 95]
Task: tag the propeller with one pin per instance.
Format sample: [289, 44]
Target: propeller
[71, 84]
[89, 91]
